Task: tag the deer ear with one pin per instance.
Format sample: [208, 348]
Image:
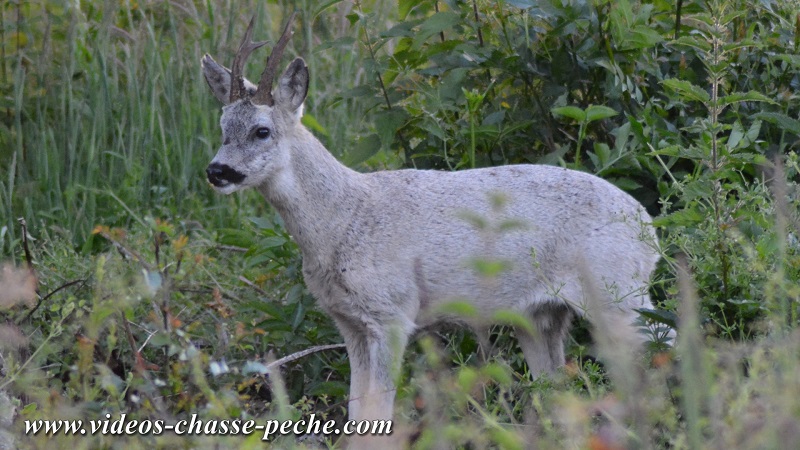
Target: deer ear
[293, 87]
[219, 80]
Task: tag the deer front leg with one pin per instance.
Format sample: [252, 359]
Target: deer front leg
[358, 354]
[374, 357]
[378, 400]
[375, 354]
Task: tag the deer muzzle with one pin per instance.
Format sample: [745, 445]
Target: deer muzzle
[221, 175]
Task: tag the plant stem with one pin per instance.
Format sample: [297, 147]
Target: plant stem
[714, 110]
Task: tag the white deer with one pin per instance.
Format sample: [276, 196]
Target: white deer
[383, 252]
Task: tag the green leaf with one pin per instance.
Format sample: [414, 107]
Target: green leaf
[322, 6]
[387, 124]
[353, 18]
[782, 120]
[30, 408]
[687, 90]
[752, 133]
[602, 153]
[263, 256]
[700, 44]
[467, 377]
[668, 318]
[572, 112]
[433, 127]
[405, 6]
[626, 184]
[497, 373]
[238, 238]
[262, 223]
[494, 118]
[435, 24]
[730, 17]
[751, 96]
[274, 326]
[451, 85]
[487, 132]
[460, 309]
[700, 188]
[621, 136]
[507, 317]
[402, 29]
[637, 129]
[508, 439]
[670, 150]
[271, 309]
[599, 112]
[641, 37]
[271, 242]
[299, 315]
[365, 148]
[311, 123]
[737, 133]
[740, 44]
[792, 60]
[684, 217]
[489, 268]
[555, 156]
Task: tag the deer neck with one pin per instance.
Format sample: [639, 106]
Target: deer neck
[315, 195]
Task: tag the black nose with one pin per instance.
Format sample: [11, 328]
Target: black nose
[221, 174]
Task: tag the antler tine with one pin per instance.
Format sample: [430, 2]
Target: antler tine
[237, 69]
[264, 93]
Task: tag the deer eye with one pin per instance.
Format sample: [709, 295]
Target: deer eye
[262, 133]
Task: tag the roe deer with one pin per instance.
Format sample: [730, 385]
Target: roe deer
[382, 252]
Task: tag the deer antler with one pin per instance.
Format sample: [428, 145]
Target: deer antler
[263, 95]
[245, 48]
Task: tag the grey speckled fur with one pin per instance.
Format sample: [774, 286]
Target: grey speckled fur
[382, 252]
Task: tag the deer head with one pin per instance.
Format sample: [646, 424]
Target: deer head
[255, 120]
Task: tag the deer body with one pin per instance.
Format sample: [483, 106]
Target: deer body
[383, 252]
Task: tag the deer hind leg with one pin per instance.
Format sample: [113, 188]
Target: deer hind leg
[543, 348]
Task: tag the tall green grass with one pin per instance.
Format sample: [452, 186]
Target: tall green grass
[107, 116]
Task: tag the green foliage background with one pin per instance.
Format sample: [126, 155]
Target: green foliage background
[158, 298]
